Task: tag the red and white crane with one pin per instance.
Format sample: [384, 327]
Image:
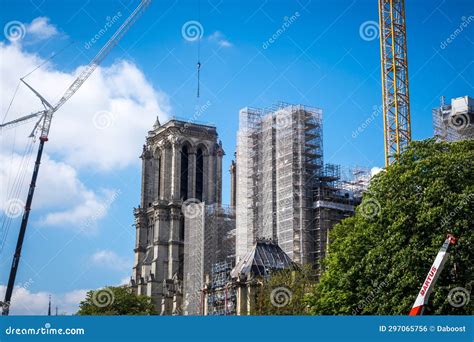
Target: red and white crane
[432, 277]
[44, 125]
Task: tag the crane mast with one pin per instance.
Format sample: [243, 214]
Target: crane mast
[45, 125]
[394, 69]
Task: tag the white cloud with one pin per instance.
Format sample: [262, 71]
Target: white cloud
[375, 170]
[25, 302]
[109, 259]
[125, 281]
[67, 201]
[102, 126]
[219, 38]
[85, 215]
[41, 29]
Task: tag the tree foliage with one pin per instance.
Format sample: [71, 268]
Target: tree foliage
[379, 258]
[283, 293]
[115, 301]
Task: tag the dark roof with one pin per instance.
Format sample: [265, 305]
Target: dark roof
[266, 256]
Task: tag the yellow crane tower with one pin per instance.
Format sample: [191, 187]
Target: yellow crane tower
[394, 68]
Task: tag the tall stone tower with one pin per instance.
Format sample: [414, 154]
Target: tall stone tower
[181, 163]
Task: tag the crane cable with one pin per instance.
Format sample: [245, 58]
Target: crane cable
[28, 74]
[14, 189]
[199, 52]
[14, 192]
[48, 59]
[11, 102]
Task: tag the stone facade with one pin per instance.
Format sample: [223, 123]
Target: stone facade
[181, 163]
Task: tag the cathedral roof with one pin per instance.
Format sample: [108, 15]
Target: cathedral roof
[265, 257]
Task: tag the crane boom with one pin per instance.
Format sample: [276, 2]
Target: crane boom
[23, 119]
[46, 118]
[432, 277]
[84, 75]
[394, 68]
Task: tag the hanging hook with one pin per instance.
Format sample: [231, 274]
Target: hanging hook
[198, 76]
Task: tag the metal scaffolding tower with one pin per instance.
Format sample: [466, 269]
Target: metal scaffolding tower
[279, 155]
[209, 239]
[394, 68]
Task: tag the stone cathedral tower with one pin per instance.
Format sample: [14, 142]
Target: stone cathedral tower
[181, 162]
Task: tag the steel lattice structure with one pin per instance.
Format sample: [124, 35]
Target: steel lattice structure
[394, 68]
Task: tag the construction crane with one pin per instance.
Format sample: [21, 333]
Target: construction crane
[432, 277]
[44, 125]
[394, 69]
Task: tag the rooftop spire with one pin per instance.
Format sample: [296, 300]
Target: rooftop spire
[49, 306]
[157, 123]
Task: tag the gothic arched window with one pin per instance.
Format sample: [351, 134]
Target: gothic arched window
[199, 174]
[158, 176]
[184, 173]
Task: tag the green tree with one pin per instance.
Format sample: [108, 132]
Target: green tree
[379, 258]
[283, 293]
[115, 301]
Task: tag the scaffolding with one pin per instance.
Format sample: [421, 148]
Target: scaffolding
[279, 155]
[209, 238]
[221, 293]
[246, 179]
[285, 191]
[455, 121]
[355, 180]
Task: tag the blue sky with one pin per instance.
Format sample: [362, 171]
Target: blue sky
[322, 59]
